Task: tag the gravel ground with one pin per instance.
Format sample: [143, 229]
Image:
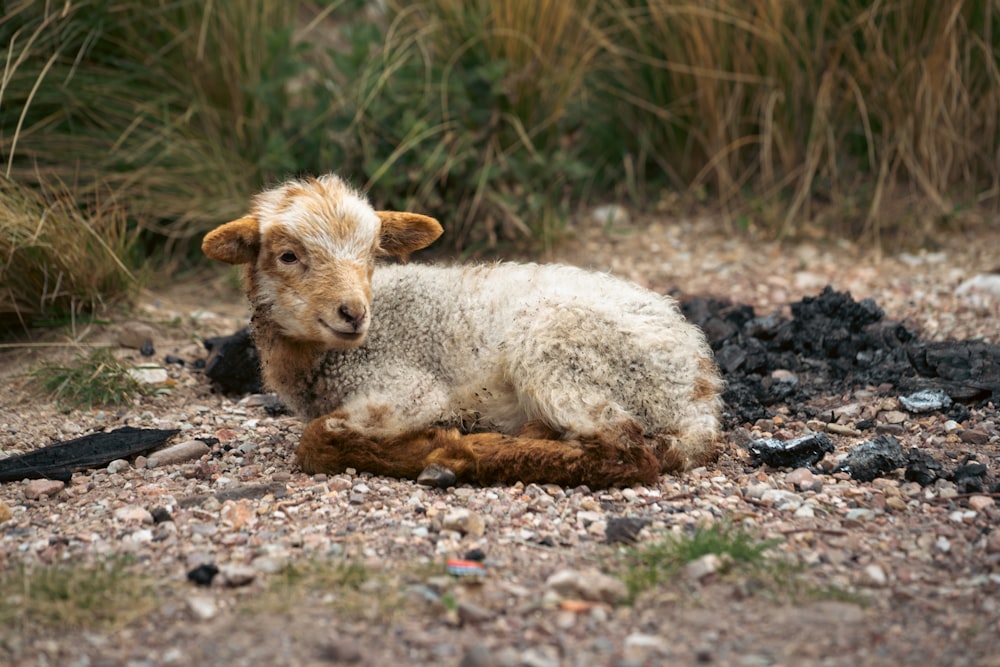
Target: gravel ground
[871, 573]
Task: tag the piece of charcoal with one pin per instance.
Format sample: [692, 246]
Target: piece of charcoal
[477, 555]
[922, 468]
[875, 458]
[203, 574]
[970, 476]
[173, 359]
[798, 452]
[96, 450]
[234, 363]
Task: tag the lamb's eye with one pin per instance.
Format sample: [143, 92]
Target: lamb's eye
[288, 257]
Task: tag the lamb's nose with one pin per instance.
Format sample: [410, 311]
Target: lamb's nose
[353, 314]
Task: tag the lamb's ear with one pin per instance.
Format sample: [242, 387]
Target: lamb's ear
[236, 242]
[403, 233]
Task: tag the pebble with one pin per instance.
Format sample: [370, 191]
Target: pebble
[43, 488]
[805, 512]
[340, 483]
[974, 436]
[801, 478]
[234, 575]
[117, 466]
[874, 575]
[586, 585]
[136, 335]
[6, 513]
[984, 284]
[860, 514]
[979, 503]
[782, 499]
[179, 453]
[133, 514]
[639, 646]
[149, 374]
[465, 521]
[895, 502]
[893, 417]
[469, 612]
[703, 567]
[993, 542]
[202, 607]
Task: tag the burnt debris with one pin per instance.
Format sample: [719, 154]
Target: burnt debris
[234, 363]
[62, 459]
[832, 344]
[798, 452]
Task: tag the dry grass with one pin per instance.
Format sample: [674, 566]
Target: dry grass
[778, 106]
[104, 596]
[500, 117]
[56, 259]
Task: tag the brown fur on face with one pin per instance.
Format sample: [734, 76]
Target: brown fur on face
[312, 247]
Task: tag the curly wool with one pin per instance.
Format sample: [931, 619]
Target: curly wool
[490, 348]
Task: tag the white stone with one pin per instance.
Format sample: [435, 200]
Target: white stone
[874, 575]
[703, 567]
[203, 607]
[179, 453]
[465, 521]
[235, 575]
[586, 585]
[133, 514]
[149, 374]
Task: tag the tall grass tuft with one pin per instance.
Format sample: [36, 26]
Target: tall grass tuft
[462, 111]
[502, 116]
[182, 108]
[786, 106]
[58, 260]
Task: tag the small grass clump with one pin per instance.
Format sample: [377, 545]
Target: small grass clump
[349, 587]
[100, 596]
[650, 565]
[744, 559]
[95, 379]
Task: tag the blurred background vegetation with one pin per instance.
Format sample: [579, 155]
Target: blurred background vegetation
[130, 127]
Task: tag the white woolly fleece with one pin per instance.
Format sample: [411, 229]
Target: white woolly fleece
[491, 347]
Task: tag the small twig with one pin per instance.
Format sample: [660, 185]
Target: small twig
[961, 496]
[823, 531]
[668, 499]
[10, 346]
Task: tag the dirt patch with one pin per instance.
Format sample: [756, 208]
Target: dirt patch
[899, 563]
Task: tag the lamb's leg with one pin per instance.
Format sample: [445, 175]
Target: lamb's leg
[326, 450]
[485, 458]
[508, 459]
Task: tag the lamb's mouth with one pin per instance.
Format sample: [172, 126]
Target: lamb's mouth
[346, 336]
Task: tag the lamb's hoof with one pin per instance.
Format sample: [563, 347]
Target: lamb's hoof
[436, 476]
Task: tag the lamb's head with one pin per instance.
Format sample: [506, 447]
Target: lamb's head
[310, 248]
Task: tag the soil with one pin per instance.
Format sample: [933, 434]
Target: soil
[884, 512]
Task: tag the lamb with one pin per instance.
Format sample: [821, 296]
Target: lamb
[483, 374]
